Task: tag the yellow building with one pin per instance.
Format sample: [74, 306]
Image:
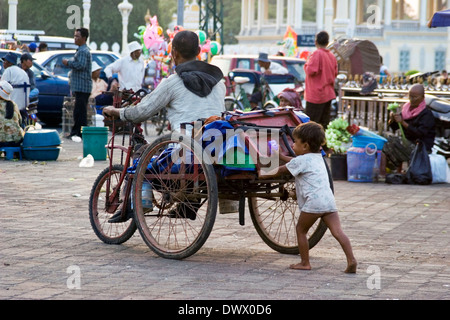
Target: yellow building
[397, 27]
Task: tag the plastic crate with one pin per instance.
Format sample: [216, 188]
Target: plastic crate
[361, 164]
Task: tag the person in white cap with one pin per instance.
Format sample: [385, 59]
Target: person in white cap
[20, 81]
[130, 69]
[11, 133]
[98, 84]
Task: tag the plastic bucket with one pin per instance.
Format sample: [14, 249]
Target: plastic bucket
[338, 166]
[95, 140]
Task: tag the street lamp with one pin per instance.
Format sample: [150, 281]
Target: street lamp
[125, 9]
[86, 16]
[12, 19]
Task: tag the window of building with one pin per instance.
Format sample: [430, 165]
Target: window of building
[309, 10]
[441, 5]
[405, 9]
[404, 62]
[439, 60]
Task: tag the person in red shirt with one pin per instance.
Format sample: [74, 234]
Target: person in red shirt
[321, 70]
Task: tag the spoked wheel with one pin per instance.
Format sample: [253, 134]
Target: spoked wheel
[100, 210]
[184, 197]
[232, 104]
[275, 219]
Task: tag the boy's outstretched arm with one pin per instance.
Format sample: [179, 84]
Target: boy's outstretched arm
[282, 170]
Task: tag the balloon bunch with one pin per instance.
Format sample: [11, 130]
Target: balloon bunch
[171, 34]
[289, 43]
[140, 37]
[207, 46]
[154, 38]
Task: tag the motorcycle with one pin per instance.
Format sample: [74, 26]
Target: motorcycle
[441, 111]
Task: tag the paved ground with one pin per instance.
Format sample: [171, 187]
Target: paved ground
[400, 235]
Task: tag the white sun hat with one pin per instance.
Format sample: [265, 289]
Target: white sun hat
[5, 90]
[133, 46]
[95, 66]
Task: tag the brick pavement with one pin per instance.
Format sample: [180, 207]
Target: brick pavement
[400, 235]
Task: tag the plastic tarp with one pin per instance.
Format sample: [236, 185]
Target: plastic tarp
[440, 19]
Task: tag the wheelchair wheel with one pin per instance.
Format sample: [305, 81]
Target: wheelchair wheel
[100, 211]
[184, 196]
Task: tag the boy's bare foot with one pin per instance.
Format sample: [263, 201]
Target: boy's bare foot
[351, 268]
[300, 266]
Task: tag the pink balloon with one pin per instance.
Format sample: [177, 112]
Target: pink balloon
[152, 40]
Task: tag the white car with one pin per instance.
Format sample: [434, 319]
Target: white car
[52, 60]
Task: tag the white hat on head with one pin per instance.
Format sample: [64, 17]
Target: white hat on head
[95, 66]
[5, 90]
[133, 46]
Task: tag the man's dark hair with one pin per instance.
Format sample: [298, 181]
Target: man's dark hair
[322, 38]
[83, 32]
[312, 133]
[186, 43]
[42, 45]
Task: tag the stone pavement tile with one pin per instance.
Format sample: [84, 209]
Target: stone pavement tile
[45, 231]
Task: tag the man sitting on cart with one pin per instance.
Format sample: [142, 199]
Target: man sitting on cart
[194, 92]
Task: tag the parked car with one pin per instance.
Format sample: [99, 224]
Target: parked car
[227, 63]
[52, 90]
[37, 36]
[52, 60]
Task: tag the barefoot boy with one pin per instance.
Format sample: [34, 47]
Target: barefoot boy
[314, 195]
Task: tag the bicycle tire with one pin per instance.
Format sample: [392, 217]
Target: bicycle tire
[230, 104]
[110, 233]
[168, 235]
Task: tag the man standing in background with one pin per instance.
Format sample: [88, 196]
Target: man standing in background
[80, 80]
[321, 70]
[130, 69]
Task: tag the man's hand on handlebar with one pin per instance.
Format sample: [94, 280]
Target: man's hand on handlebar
[110, 113]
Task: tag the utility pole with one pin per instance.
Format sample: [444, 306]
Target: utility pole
[211, 19]
[180, 13]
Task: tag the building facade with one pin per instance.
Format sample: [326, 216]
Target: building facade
[397, 27]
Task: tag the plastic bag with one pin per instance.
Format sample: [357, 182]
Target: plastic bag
[87, 162]
[395, 178]
[439, 168]
[419, 171]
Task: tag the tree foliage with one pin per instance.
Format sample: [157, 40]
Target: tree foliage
[51, 16]
[106, 21]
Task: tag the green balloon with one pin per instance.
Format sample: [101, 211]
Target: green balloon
[201, 36]
[215, 47]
